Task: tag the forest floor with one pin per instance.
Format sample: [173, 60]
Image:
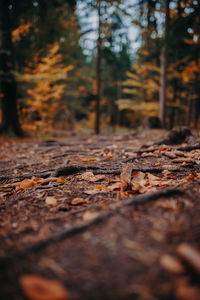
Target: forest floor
[100, 217]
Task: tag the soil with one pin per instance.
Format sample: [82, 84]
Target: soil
[108, 217]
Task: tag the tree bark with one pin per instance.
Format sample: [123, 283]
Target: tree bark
[10, 120]
[98, 69]
[163, 66]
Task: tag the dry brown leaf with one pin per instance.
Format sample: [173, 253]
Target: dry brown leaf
[89, 214]
[139, 182]
[50, 200]
[97, 189]
[192, 176]
[115, 186]
[36, 287]
[166, 172]
[78, 201]
[153, 180]
[178, 152]
[171, 264]
[89, 176]
[170, 154]
[125, 176]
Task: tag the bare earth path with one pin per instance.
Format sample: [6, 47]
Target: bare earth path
[108, 217]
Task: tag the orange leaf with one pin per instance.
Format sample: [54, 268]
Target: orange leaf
[109, 157]
[61, 179]
[88, 159]
[35, 287]
[27, 183]
[78, 201]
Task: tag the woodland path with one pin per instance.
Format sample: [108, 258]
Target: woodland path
[107, 217]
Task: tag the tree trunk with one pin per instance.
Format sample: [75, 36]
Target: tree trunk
[163, 66]
[10, 120]
[98, 69]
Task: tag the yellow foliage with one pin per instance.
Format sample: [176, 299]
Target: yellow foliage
[22, 30]
[50, 78]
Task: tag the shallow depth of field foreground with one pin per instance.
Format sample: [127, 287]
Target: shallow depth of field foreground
[100, 217]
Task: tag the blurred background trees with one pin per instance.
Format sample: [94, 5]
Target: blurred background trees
[74, 65]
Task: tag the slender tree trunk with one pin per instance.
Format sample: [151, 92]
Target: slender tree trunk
[10, 120]
[163, 66]
[98, 69]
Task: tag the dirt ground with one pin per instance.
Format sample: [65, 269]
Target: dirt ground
[100, 217]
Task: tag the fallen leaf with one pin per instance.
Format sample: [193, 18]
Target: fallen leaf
[192, 176]
[89, 214]
[109, 157]
[89, 176]
[50, 200]
[171, 264]
[27, 183]
[97, 189]
[125, 176]
[88, 159]
[153, 180]
[78, 201]
[139, 182]
[36, 287]
[178, 152]
[61, 179]
[108, 152]
[165, 172]
[170, 154]
[115, 186]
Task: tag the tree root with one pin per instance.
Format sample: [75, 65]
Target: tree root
[82, 226]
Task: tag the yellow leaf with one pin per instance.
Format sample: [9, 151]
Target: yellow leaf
[61, 179]
[88, 159]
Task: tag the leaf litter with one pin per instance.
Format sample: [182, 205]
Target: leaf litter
[78, 220]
